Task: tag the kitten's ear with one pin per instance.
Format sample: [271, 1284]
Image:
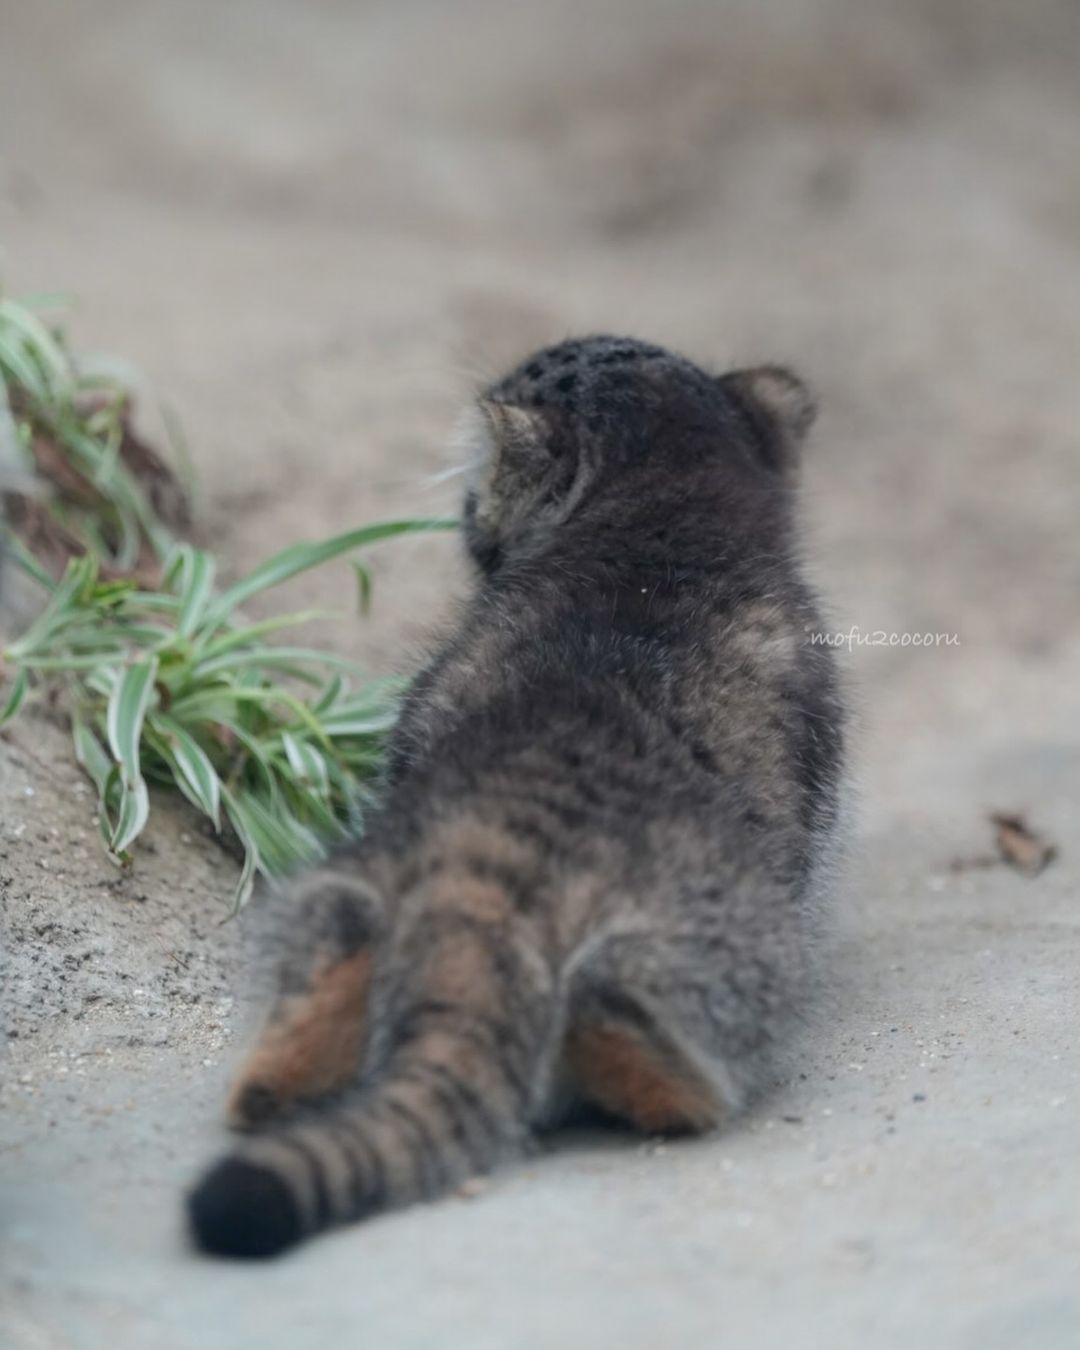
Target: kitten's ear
[510, 434]
[488, 433]
[776, 396]
[506, 450]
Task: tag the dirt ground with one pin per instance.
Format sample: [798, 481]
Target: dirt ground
[314, 226]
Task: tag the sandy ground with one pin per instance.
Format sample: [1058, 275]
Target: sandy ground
[314, 225]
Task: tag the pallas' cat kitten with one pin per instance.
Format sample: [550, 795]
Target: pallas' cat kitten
[594, 872]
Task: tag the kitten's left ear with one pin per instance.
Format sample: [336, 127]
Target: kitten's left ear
[508, 451]
[780, 399]
[494, 434]
[519, 435]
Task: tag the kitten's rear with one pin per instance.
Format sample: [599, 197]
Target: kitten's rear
[592, 876]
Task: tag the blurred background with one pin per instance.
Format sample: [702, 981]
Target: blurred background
[317, 224]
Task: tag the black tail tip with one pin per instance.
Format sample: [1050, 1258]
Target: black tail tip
[241, 1209]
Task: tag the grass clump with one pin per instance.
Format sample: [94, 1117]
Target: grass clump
[167, 684]
[88, 483]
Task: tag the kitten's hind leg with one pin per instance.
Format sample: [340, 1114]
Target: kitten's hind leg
[312, 1041]
[632, 1050]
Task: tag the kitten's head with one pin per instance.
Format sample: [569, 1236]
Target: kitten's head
[606, 421]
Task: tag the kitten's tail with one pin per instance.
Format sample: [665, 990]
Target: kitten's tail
[454, 1097]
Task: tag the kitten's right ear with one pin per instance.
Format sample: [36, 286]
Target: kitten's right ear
[779, 399]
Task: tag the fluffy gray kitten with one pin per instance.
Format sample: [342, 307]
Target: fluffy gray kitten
[592, 874]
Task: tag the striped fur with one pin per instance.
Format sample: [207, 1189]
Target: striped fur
[594, 872]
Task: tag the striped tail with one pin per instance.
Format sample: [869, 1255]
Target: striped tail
[454, 1097]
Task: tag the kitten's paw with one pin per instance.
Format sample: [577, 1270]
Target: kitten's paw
[253, 1104]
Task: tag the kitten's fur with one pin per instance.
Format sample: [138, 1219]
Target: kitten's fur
[593, 872]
